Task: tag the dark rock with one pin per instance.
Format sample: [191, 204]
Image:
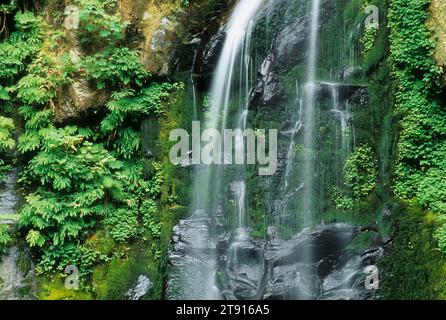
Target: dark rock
[312, 264]
[194, 260]
[274, 91]
[256, 95]
[355, 94]
[290, 45]
[213, 50]
[360, 97]
[325, 240]
[245, 267]
[371, 256]
[294, 281]
[289, 49]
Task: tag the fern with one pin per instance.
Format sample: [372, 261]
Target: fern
[114, 66]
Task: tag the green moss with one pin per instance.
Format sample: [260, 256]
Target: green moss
[113, 280]
[362, 241]
[54, 289]
[415, 268]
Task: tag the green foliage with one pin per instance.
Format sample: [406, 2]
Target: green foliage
[151, 223]
[414, 269]
[97, 24]
[7, 143]
[5, 238]
[361, 171]
[8, 8]
[80, 181]
[14, 53]
[128, 103]
[368, 39]
[114, 66]
[342, 201]
[58, 257]
[421, 163]
[40, 84]
[20, 45]
[123, 224]
[440, 236]
[73, 178]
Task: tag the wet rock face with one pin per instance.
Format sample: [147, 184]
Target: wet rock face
[314, 264]
[290, 45]
[212, 51]
[193, 261]
[355, 94]
[159, 47]
[17, 279]
[78, 100]
[175, 35]
[350, 73]
[16, 283]
[289, 49]
[8, 198]
[245, 268]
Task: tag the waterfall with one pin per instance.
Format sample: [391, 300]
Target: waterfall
[309, 121]
[14, 278]
[285, 192]
[303, 119]
[343, 116]
[193, 276]
[236, 46]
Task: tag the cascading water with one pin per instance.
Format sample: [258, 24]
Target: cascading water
[195, 278]
[342, 136]
[13, 276]
[221, 251]
[309, 122]
[282, 214]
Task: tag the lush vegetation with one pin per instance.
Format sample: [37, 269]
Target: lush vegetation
[421, 165]
[99, 192]
[80, 180]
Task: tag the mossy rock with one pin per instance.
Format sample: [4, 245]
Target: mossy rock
[54, 289]
[415, 268]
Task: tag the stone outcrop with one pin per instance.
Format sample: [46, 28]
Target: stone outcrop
[79, 98]
[289, 49]
[312, 264]
[140, 289]
[172, 33]
[437, 23]
[168, 35]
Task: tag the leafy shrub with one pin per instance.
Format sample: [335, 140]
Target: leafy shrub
[150, 221]
[5, 238]
[368, 39]
[128, 103]
[341, 200]
[123, 224]
[6, 143]
[421, 164]
[114, 66]
[74, 177]
[98, 24]
[78, 180]
[361, 171]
